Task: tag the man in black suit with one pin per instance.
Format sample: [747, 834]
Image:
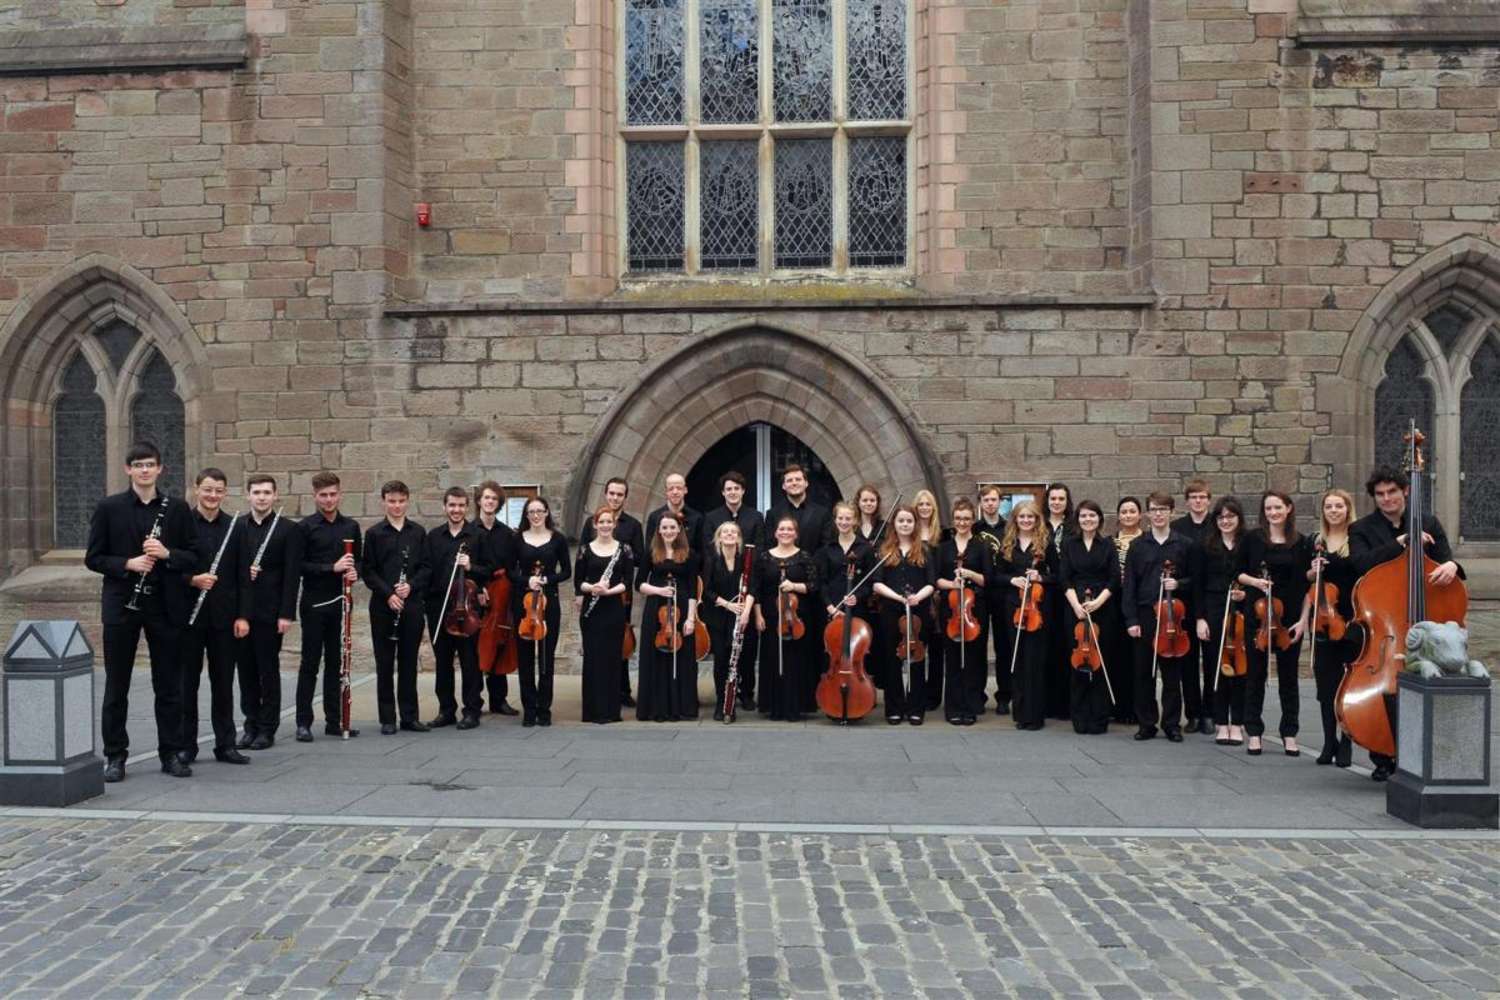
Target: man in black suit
[629, 532]
[325, 569]
[692, 520]
[141, 542]
[814, 521]
[270, 568]
[1198, 669]
[1380, 536]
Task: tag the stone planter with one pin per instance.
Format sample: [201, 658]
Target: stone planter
[1442, 778]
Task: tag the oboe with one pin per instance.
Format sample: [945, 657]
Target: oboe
[141, 587]
[396, 625]
[609, 569]
[213, 569]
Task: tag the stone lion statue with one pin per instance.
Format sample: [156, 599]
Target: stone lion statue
[1441, 650]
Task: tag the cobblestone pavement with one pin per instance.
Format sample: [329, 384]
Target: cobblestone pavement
[117, 909]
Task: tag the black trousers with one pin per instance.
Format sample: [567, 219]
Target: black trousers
[395, 663]
[967, 672]
[120, 644]
[1170, 669]
[260, 679]
[1226, 693]
[1329, 660]
[220, 645]
[322, 638]
[497, 689]
[536, 678]
[444, 648]
[1286, 688]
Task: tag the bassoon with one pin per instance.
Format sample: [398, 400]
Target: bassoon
[346, 665]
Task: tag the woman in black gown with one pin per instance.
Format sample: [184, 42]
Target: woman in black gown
[1332, 656]
[668, 690]
[1286, 556]
[1059, 638]
[905, 582]
[1025, 559]
[723, 570]
[541, 564]
[1089, 576]
[1214, 595]
[871, 528]
[782, 569]
[601, 574]
[966, 663]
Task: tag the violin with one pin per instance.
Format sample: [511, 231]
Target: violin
[1326, 618]
[534, 611]
[962, 624]
[1085, 654]
[1171, 639]
[1268, 611]
[1028, 617]
[462, 617]
[669, 624]
[1234, 656]
[909, 646]
[846, 691]
[791, 626]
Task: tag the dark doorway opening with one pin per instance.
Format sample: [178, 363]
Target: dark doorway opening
[759, 452]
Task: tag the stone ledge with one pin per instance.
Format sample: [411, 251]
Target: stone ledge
[100, 50]
[510, 306]
[1396, 22]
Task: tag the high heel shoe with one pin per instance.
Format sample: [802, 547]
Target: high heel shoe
[1289, 747]
[1326, 757]
[1254, 748]
[1236, 737]
[1221, 736]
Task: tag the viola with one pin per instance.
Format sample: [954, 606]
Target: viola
[846, 691]
[1326, 618]
[1085, 654]
[962, 625]
[1171, 639]
[791, 626]
[1268, 611]
[669, 624]
[534, 611]
[909, 644]
[1028, 617]
[1387, 600]
[462, 617]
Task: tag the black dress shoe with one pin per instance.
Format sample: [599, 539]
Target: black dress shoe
[175, 767]
[388, 729]
[546, 720]
[1326, 757]
[468, 722]
[1206, 726]
[504, 709]
[329, 729]
[718, 715]
[627, 701]
[246, 738]
[1341, 756]
[1174, 735]
[1382, 772]
[416, 726]
[1145, 733]
[1002, 707]
[528, 722]
[915, 720]
[188, 756]
[304, 734]
[747, 701]
[114, 770]
[229, 755]
[441, 721]
[262, 742]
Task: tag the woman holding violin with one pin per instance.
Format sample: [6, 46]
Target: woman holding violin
[1122, 675]
[456, 555]
[727, 600]
[905, 581]
[541, 564]
[964, 568]
[1330, 610]
[1060, 526]
[931, 531]
[1158, 565]
[668, 690]
[1027, 569]
[1089, 575]
[1274, 562]
[602, 572]
[1220, 604]
[785, 576]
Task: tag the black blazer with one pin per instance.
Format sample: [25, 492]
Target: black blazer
[117, 531]
[273, 595]
[223, 603]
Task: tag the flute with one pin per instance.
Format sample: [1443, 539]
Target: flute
[270, 532]
[141, 589]
[213, 570]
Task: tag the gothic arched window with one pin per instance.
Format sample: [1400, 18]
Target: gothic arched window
[78, 461]
[1405, 394]
[1479, 418]
[156, 415]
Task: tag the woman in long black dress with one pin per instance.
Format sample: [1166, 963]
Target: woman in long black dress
[1215, 590]
[1122, 675]
[965, 661]
[1332, 656]
[871, 528]
[905, 581]
[833, 567]
[541, 564]
[1059, 638]
[783, 569]
[1089, 576]
[931, 531]
[666, 581]
[1286, 557]
[602, 573]
[1026, 559]
[723, 571]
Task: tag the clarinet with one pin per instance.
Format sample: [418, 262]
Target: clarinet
[604, 580]
[141, 587]
[732, 682]
[396, 626]
[213, 570]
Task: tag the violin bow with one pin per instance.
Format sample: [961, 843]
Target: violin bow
[432, 633]
[1103, 667]
[906, 681]
[780, 635]
[1317, 600]
[1156, 613]
[1223, 638]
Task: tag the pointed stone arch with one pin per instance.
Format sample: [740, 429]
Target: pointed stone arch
[743, 373]
[46, 329]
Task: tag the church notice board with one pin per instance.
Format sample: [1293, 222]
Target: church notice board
[1013, 493]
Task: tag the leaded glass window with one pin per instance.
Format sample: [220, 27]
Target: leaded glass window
[78, 463]
[156, 416]
[782, 133]
[1479, 439]
[1447, 324]
[117, 339]
[1405, 394]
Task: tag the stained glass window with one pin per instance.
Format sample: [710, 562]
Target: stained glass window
[653, 175]
[156, 416]
[1404, 395]
[1479, 441]
[804, 203]
[877, 59]
[1447, 324]
[117, 339]
[728, 51]
[654, 35]
[877, 201]
[78, 464]
[802, 45]
[730, 204]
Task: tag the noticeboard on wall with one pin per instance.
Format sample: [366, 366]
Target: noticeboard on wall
[1013, 493]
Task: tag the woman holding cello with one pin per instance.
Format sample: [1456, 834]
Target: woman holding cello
[784, 577]
[603, 571]
[834, 561]
[541, 564]
[963, 569]
[1026, 569]
[1089, 574]
[725, 570]
[1274, 562]
[1330, 612]
[668, 689]
[1220, 604]
[905, 581]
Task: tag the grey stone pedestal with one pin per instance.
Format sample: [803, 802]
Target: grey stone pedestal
[1442, 777]
[49, 757]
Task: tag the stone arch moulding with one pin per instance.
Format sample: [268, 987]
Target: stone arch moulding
[716, 383]
[37, 338]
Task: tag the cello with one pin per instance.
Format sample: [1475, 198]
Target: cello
[497, 633]
[846, 691]
[1388, 600]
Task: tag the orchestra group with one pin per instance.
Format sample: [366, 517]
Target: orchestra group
[1170, 625]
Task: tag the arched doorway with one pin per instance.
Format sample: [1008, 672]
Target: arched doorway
[759, 451]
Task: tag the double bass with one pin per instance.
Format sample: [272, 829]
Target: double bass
[846, 691]
[498, 650]
[1388, 600]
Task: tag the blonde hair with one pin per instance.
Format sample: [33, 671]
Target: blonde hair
[719, 537]
[1348, 499]
[1040, 535]
[934, 526]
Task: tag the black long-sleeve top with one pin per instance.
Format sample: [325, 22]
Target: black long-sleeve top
[814, 523]
[751, 524]
[669, 572]
[832, 562]
[323, 545]
[1083, 569]
[501, 546]
[273, 594]
[442, 548]
[906, 577]
[1372, 541]
[1016, 564]
[1214, 575]
[800, 568]
[1343, 574]
[627, 530]
[692, 527]
[588, 567]
[117, 532]
[976, 557]
[1143, 566]
[721, 582]
[1287, 562]
[386, 553]
[1198, 532]
[223, 602]
[557, 567]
